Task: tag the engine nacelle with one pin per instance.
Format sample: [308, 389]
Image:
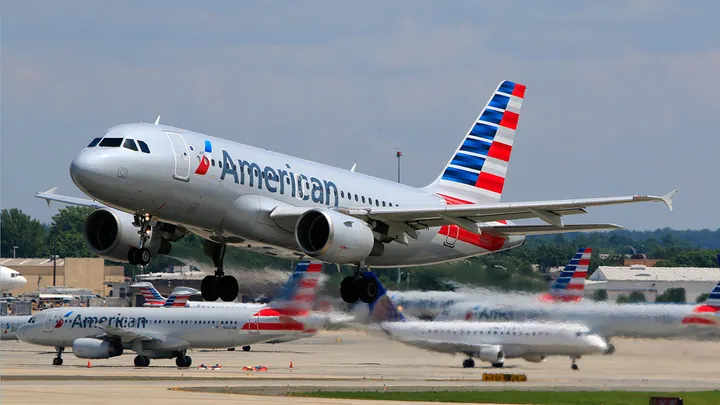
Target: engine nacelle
[110, 234]
[491, 353]
[335, 237]
[90, 348]
[534, 359]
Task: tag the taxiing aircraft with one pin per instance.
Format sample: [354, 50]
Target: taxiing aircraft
[10, 279]
[487, 341]
[153, 184]
[10, 324]
[163, 333]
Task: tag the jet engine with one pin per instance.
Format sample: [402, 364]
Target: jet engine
[491, 353]
[534, 359]
[90, 348]
[334, 237]
[110, 234]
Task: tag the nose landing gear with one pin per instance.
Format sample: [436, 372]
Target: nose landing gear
[58, 361]
[357, 287]
[218, 285]
[141, 255]
[574, 365]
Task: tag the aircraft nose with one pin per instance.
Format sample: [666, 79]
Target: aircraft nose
[85, 170]
[21, 280]
[22, 332]
[598, 343]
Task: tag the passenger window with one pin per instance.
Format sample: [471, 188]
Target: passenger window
[390, 204]
[342, 194]
[363, 199]
[130, 144]
[213, 162]
[111, 142]
[377, 203]
[383, 203]
[94, 142]
[143, 147]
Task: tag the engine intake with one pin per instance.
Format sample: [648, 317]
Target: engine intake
[335, 237]
[90, 348]
[491, 353]
[110, 234]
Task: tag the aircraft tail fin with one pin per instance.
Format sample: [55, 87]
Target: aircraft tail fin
[383, 309]
[476, 171]
[151, 295]
[179, 297]
[570, 286]
[299, 293]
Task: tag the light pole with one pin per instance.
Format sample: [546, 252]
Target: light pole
[14, 248]
[54, 253]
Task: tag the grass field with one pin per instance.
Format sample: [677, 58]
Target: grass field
[528, 397]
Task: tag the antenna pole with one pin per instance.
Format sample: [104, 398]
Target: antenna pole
[398, 154]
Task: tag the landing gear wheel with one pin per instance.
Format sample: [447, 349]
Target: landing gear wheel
[575, 367]
[142, 361]
[246, 348]
[368, 290]
[468, 363]
[231, 349]
[57, 361]
[183, 361]
[227, 287]
[208, 288]
[132, 256]
[498, 365]
[610, 349]
[143, 256]
[348, 290]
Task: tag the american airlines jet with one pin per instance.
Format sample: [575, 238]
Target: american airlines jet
[10, 279]
[153, 184]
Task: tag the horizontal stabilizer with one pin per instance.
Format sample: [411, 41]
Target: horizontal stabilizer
[545, 229]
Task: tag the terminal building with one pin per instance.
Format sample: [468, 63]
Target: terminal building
[652, 281]
[73, 272]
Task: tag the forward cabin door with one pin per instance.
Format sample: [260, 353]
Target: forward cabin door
[182, 159]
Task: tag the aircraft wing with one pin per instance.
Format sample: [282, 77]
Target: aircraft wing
[50, 196]
[442, 346]
[125, 335]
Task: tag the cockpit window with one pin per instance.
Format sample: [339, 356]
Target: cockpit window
[143, 147]
[94, 142]
[111, 142]
[582, 334]
[12, 275]
[130, 144]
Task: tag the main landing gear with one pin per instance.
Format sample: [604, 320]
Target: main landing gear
[468, 363]
[141, 255]
[357, 287]
[610, 349]
[183, 361]
[574, 364]
[218, 285]
[58, 361]
[142, 361]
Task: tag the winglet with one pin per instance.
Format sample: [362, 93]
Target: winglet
[353, 168]
[51, 191]
[157, 120]
[668, 199]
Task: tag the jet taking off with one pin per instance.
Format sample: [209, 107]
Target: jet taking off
[152, 184]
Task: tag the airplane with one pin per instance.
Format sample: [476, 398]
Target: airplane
[10, 324]
[10, 279]
[164, 333]
[491, 342]
[568, 287]
[152, 184]
[643, 320]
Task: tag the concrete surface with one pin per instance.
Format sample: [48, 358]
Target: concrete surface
[341, 360]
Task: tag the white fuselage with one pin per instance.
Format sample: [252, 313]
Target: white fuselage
[605, 319]
[517, 339]
[10, 279]
[10, 324]
[171, 328]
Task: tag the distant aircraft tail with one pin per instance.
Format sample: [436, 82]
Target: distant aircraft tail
[476, 171]
[383, 309]
[707, 312]
[151, 295]
[570, 286]
[299, 293]
[179, 297]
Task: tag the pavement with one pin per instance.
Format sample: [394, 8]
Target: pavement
[340, 360]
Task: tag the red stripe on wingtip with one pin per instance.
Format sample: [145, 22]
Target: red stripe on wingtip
[499, 150]
[519, 90]
[509, 120]
[490, 182]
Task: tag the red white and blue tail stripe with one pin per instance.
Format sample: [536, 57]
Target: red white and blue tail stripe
[570, 286]
[476, 172]
[177, 299]
[152, 297]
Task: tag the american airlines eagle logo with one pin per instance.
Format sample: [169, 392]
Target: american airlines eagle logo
[204, 159]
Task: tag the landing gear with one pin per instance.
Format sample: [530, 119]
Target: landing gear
[610, 349]
[574, 364]
[231, 349]
[142, 361]
[357, 287]
[218, 285]
[141, 255]
[498, 364]
[58, 361]
[246, 348]
[468, 363]
[183, 361]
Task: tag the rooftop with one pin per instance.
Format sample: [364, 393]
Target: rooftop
[21, 262]
[640, 272]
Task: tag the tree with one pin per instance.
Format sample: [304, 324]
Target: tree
[636, 296]
[674, 295]
[623, 299]
[19, 229]
[67, 238]
[701, 298]
[600, 295]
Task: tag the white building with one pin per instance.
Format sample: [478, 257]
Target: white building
[652, 281]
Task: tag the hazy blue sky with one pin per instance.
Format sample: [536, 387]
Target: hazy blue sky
[623, 97]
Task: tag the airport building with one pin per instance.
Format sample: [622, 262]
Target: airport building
[652, 281]
[74, 272]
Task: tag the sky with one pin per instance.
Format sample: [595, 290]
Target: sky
[623, 97]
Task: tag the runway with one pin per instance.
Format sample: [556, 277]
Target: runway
[342, 360]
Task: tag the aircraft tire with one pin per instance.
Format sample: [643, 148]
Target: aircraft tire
[498, 364]
[246, 348]
[227, 287]
[132, 256]
[57, 361]
[143, 256]
[183, 361]
[610, 349]
[349, 290]
[208, 288]
[368, 290]
[468, 363]
[231, 349]
[141, 361]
